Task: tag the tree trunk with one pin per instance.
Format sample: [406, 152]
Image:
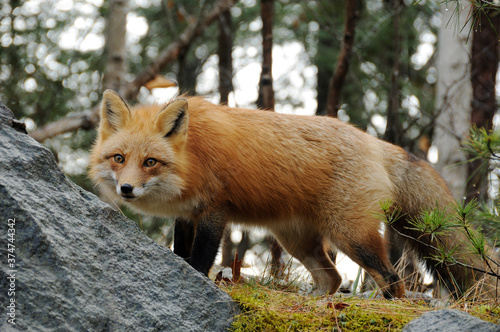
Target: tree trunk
[484, 67]
[453, 96]
[187, 74]
[394, 129]
[116, 55]
[266, 92]
[323, 76]
[344, 59]
[224, 52]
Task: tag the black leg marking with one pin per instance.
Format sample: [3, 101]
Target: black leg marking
[183, 237]
[372, 261]
[206, 244]
[369, 259]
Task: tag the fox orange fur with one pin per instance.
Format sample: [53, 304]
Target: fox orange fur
[314, 182]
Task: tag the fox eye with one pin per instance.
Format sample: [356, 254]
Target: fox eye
[118, 158]
[150, 162]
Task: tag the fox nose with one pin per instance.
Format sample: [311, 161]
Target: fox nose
[126, 188]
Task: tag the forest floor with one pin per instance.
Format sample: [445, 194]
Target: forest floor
[270, 304]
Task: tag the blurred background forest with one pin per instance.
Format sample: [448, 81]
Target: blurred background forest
[420, 74]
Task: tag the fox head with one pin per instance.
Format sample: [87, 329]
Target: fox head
[138, 154]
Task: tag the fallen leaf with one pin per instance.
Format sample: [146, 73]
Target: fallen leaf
[341, 305]
[337, 306]
[160, 82]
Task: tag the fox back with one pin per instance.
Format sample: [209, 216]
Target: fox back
[268, 166]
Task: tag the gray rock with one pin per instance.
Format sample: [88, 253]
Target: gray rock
[7, 116]
[82, 266]
[451, 320]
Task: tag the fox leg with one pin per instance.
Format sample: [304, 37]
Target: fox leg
[209, 231]
[368, 249]
[183, 237]
[310, 250]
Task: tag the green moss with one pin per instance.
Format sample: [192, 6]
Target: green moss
[267, 308]
[487, 312]
[359, 318]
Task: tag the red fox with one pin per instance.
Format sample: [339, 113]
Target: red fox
[315, 182]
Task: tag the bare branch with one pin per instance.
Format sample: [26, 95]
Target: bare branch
[83, 120]
[89, 119]
[172, 52]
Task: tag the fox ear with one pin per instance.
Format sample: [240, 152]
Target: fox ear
[173, 119]
[114, 112]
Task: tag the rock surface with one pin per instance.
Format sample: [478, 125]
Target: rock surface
[451, 320]
[82, 266]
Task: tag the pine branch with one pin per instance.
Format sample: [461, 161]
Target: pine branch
[392, 213]
[455, 262]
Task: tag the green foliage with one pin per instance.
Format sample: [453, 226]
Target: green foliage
[445, 256]
[482, 144]
[466, 213]
[40, 79]
[474, 16]
[390, 212]
[366, 90]
[489, 219]
[436, 222]
[477, 242]
[441, 221]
